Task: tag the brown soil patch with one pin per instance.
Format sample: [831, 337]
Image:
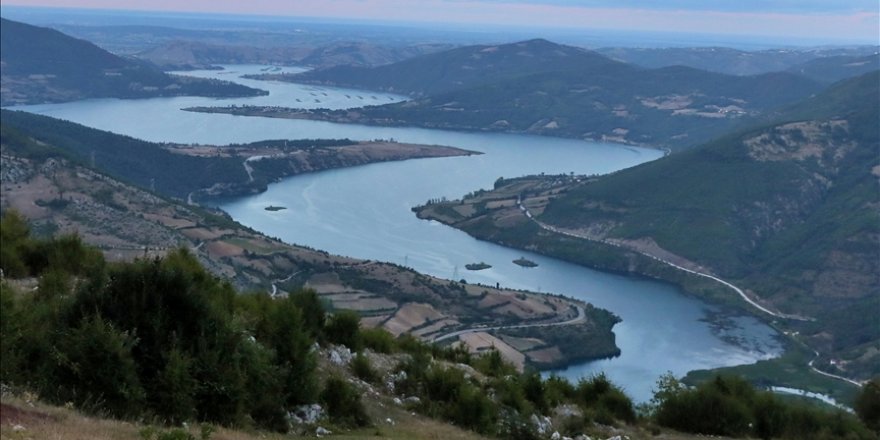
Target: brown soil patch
[223, 249]
[434, 328]
[373, 321]
[171, 222]
[357, 301]
[204, 233]
[411, 315]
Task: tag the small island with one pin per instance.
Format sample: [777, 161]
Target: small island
[477, 266]
[274, 208]
[522, 261]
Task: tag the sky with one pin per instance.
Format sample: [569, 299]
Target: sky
[834, 20]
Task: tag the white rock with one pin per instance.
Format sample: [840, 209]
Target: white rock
[18, 428]
[397, 401]
[542, 424]
[555, 436]
[321, 431]
[583, 437]
[340, 355]
[412, 400]
[389, 421]
[306, 414]
[616, 437]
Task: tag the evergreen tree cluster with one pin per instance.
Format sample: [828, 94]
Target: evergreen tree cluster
[162, 340]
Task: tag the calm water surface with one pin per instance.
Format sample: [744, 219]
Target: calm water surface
[365, 212]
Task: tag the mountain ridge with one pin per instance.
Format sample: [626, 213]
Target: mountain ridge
[40, 65]
[788, 210]
[560, 91]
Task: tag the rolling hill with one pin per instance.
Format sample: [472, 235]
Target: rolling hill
[728, 60]
[541, 87]
[836, 68]
[43, 65]
[788, 210]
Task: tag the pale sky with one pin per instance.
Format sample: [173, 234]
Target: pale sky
[814, 19]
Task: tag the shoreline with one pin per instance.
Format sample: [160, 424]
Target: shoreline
[312, 115]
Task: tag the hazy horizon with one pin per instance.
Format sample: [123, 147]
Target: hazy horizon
[761, 26]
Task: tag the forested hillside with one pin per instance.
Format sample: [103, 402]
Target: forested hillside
[788, 210]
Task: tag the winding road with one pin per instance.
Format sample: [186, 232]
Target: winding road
[712, 277]
[669, 263]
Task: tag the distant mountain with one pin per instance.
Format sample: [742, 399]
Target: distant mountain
[727, 60]
[43, 65]
[179, 55]
[836, 68]
[183, 55]
[464, 67]
[545, 88]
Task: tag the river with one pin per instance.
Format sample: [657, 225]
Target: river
[365, 212]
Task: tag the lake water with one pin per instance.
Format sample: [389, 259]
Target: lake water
[365, 212]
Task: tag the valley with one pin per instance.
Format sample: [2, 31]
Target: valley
[267, 224]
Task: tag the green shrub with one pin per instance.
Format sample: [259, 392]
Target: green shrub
[343, 328]
[362, 369]
[173, 391]
[867, 404]
[343, 403]
[378, 340]
[96, 367]
[492, 364]
[607, 401]
[474, 410]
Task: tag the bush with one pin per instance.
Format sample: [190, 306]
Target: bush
[378, 340]
[362, 369]
[344, 328]
[474, 410]
[492, 364]
[173, 391]
[731, 406]
[96, 367]
[607, 401]
[867, 404]
[343, 403]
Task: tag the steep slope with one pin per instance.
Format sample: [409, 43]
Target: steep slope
[672, 106]
[44, 65]
[789, 210]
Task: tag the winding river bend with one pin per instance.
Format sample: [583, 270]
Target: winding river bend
[365, 212]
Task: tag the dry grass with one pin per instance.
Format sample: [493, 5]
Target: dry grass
[43, 422]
